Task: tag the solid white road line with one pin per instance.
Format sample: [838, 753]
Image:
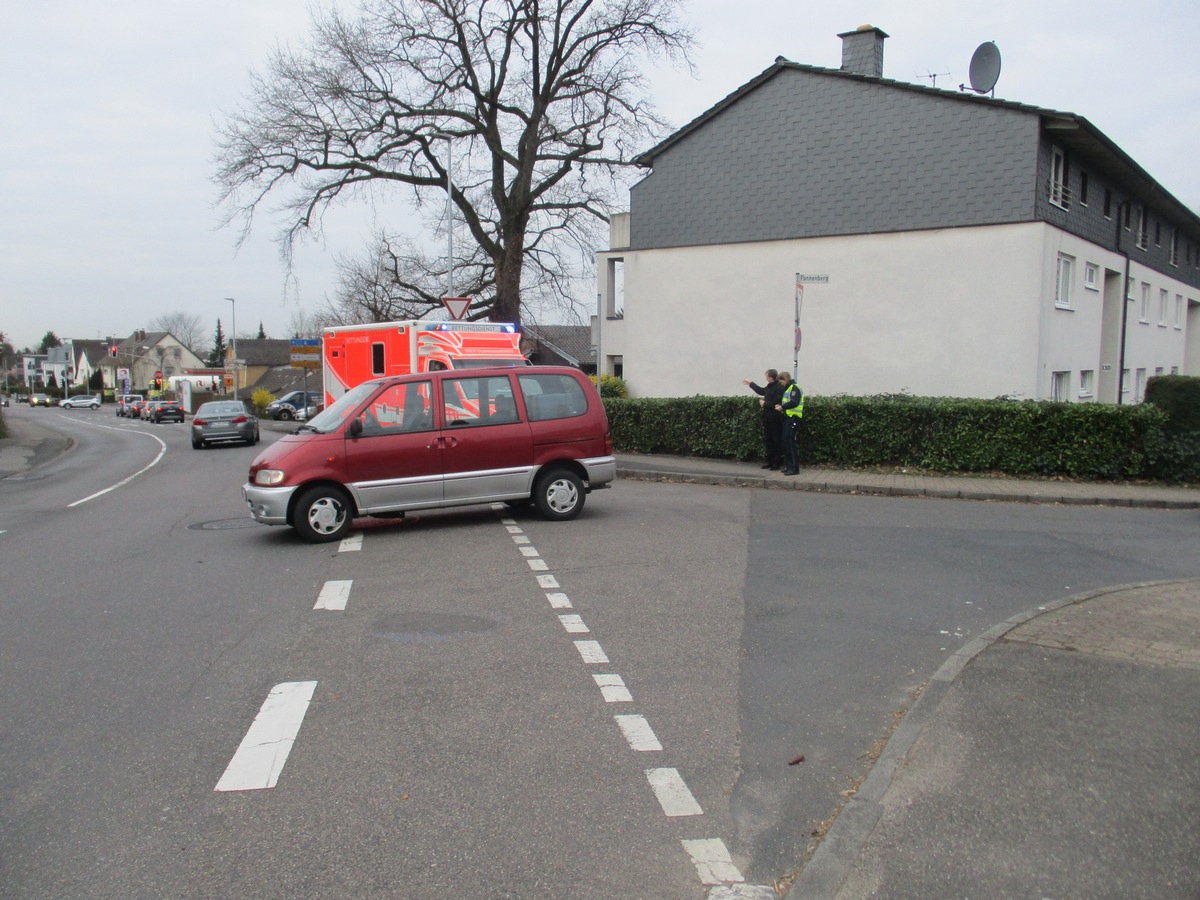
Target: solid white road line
[638, 732]
[672, 793]
[591, 652]
[612, 688]
[334, 595]
[161, 453]
[351, 543]
[712, 861]
[260, 757]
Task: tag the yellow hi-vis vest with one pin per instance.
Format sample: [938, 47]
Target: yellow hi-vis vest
[789, 394]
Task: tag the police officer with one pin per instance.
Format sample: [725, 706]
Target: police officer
[772, 420]
[791, 408]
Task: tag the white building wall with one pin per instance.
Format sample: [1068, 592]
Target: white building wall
[966, 312]
[947, 312]
[1149, 344]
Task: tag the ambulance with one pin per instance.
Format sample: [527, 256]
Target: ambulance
[352, 354]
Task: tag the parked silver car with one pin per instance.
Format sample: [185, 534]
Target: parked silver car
[224, 420]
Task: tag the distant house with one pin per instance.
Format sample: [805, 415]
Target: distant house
[268, 366]
[935, 242]
[144, 357]
[560, 345]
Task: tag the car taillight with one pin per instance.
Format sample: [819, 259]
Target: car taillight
[196, 421]
[238, 420]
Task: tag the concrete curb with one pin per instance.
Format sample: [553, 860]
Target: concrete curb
[828, 868]
[634, 473]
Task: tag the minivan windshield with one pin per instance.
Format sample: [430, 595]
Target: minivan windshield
[333, 417]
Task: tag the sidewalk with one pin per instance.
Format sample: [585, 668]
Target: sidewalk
[1055, 756]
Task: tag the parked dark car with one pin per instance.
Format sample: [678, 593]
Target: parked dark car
[164, 411]
[224, 420]
[292, 405]
[124, 401]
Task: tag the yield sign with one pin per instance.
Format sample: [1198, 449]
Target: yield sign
[457, 306]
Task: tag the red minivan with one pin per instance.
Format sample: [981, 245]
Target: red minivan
[447, 438]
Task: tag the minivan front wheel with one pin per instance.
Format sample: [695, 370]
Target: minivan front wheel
[558, 494]
[322, 514]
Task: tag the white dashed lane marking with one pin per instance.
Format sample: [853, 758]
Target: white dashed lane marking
[573, 624]
[591, 652]
[612, 688]
[638, 732]
[712, 861]
[334, 595]
[672, 793]
[260, 757]
[709, 855]
[351, 543]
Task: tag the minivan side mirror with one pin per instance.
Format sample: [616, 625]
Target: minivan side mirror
[355, 428]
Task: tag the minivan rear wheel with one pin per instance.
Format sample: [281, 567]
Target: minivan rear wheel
[322, 514]
[558, 494]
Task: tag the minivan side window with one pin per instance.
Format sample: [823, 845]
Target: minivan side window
[552, 396]
[478, 401]
[397, 408]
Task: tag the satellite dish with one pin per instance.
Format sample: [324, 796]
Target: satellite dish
[985, 67]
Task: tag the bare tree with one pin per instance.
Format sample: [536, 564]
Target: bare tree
[541, 104]
[187, 328]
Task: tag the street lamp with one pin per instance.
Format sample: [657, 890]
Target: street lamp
[441, 135]
[233, 320]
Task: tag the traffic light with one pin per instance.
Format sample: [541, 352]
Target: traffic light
[112, 350]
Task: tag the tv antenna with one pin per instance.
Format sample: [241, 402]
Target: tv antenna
[933, 77]
[985, 69]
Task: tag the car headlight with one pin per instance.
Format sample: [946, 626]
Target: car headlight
[268, 476]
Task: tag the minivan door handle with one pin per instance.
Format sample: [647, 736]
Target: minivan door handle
[444, 442]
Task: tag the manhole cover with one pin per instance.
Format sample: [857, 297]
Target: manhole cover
[224, 524]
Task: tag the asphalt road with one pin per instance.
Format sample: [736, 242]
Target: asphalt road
[457, 741]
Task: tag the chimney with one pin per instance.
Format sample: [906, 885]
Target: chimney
[862, 51]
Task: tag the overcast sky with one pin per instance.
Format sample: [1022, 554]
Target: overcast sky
[108, 109]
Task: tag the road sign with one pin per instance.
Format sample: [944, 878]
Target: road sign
[457, 306]
[306, 354]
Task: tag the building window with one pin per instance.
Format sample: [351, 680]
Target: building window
[1126, 216]
[1091, 276]
[1174, 246]
[1124, 381]
[1157, 233]
[1143, 232]
[1083, 186]
[1087, 383]
[1059, 192]
[1108, 203]
[1139, 387]
[1144, 306]
[1062, 287]
[1060, 386]
[1178, 311]
[1162, 307]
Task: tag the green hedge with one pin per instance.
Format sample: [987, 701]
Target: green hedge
[1083, 440]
